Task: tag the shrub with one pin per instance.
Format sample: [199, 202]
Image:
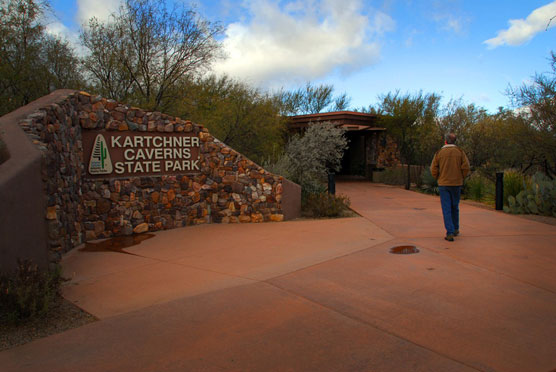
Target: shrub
[28, 293]
[429, 184]
[514, 183]
[477, 187]
[312, 187]
[398, 175]
[390, 176]
[308, 158]
[538, 197]
[325, 205]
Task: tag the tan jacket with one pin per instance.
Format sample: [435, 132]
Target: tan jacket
[450, 166]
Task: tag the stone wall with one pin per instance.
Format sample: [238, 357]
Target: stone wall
[229, 188]
[387, 152]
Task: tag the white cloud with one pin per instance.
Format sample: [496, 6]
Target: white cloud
[448, 15]
[449, 22]
[57, 28]
[302, 40]
[523, 30]
[86, 9]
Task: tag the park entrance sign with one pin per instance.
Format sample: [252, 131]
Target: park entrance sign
[104, 169]
[117, 154]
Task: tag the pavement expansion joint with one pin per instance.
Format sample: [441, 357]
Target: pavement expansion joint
[368, 324]
[327, 261]
[201, 268]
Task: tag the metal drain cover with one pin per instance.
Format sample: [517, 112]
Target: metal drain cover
[404, 249]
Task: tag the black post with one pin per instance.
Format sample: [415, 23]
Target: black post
[408, 181]
[331, 183]
[499, 191]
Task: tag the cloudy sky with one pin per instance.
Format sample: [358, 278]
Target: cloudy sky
[469, 49]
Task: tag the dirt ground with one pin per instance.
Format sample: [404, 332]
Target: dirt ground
[61, 317]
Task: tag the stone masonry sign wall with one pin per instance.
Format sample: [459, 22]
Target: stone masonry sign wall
[110, 169]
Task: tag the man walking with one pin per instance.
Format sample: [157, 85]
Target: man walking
[450, 166]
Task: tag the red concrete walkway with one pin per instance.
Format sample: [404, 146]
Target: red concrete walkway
[317, 296]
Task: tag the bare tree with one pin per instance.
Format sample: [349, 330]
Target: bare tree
[342, 102]
[143, 52]
[537, 101]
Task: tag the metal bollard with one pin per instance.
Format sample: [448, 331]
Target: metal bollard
[331, 183]
[499, 191]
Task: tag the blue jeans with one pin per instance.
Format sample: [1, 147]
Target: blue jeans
[449, 200]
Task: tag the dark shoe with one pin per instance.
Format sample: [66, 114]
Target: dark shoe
[449, 237]
[456, 233]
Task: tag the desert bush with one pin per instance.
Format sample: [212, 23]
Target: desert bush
[308, 158]
[477, 187]
[28, 292]
[538, 197]
[325, 205]
[429, 184]
[397, 175]
[390, 176]
[514, 183]
[319, 150]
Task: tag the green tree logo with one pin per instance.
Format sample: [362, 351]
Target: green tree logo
[100, 162]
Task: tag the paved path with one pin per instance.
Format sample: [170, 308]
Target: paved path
[317, 296]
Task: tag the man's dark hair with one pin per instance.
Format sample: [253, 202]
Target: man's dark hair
[450, 138]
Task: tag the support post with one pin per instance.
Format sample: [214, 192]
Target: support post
[331, 183]
[499, 191]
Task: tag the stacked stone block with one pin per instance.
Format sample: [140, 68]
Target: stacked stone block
[387, 154]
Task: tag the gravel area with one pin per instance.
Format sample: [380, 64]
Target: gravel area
[62, 316]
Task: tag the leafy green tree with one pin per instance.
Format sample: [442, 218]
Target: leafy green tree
[407, 118]
[32, 62]
[472, 126]
[241, 116]
[145, 51]
[492, 142]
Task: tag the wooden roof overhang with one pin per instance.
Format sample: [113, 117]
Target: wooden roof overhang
[349, 120]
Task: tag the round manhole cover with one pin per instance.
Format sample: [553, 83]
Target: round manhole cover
[404, 249]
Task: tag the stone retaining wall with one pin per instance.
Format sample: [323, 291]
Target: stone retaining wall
[387, 153]
[229, 188]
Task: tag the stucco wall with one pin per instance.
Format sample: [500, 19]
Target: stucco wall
[22, 204]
